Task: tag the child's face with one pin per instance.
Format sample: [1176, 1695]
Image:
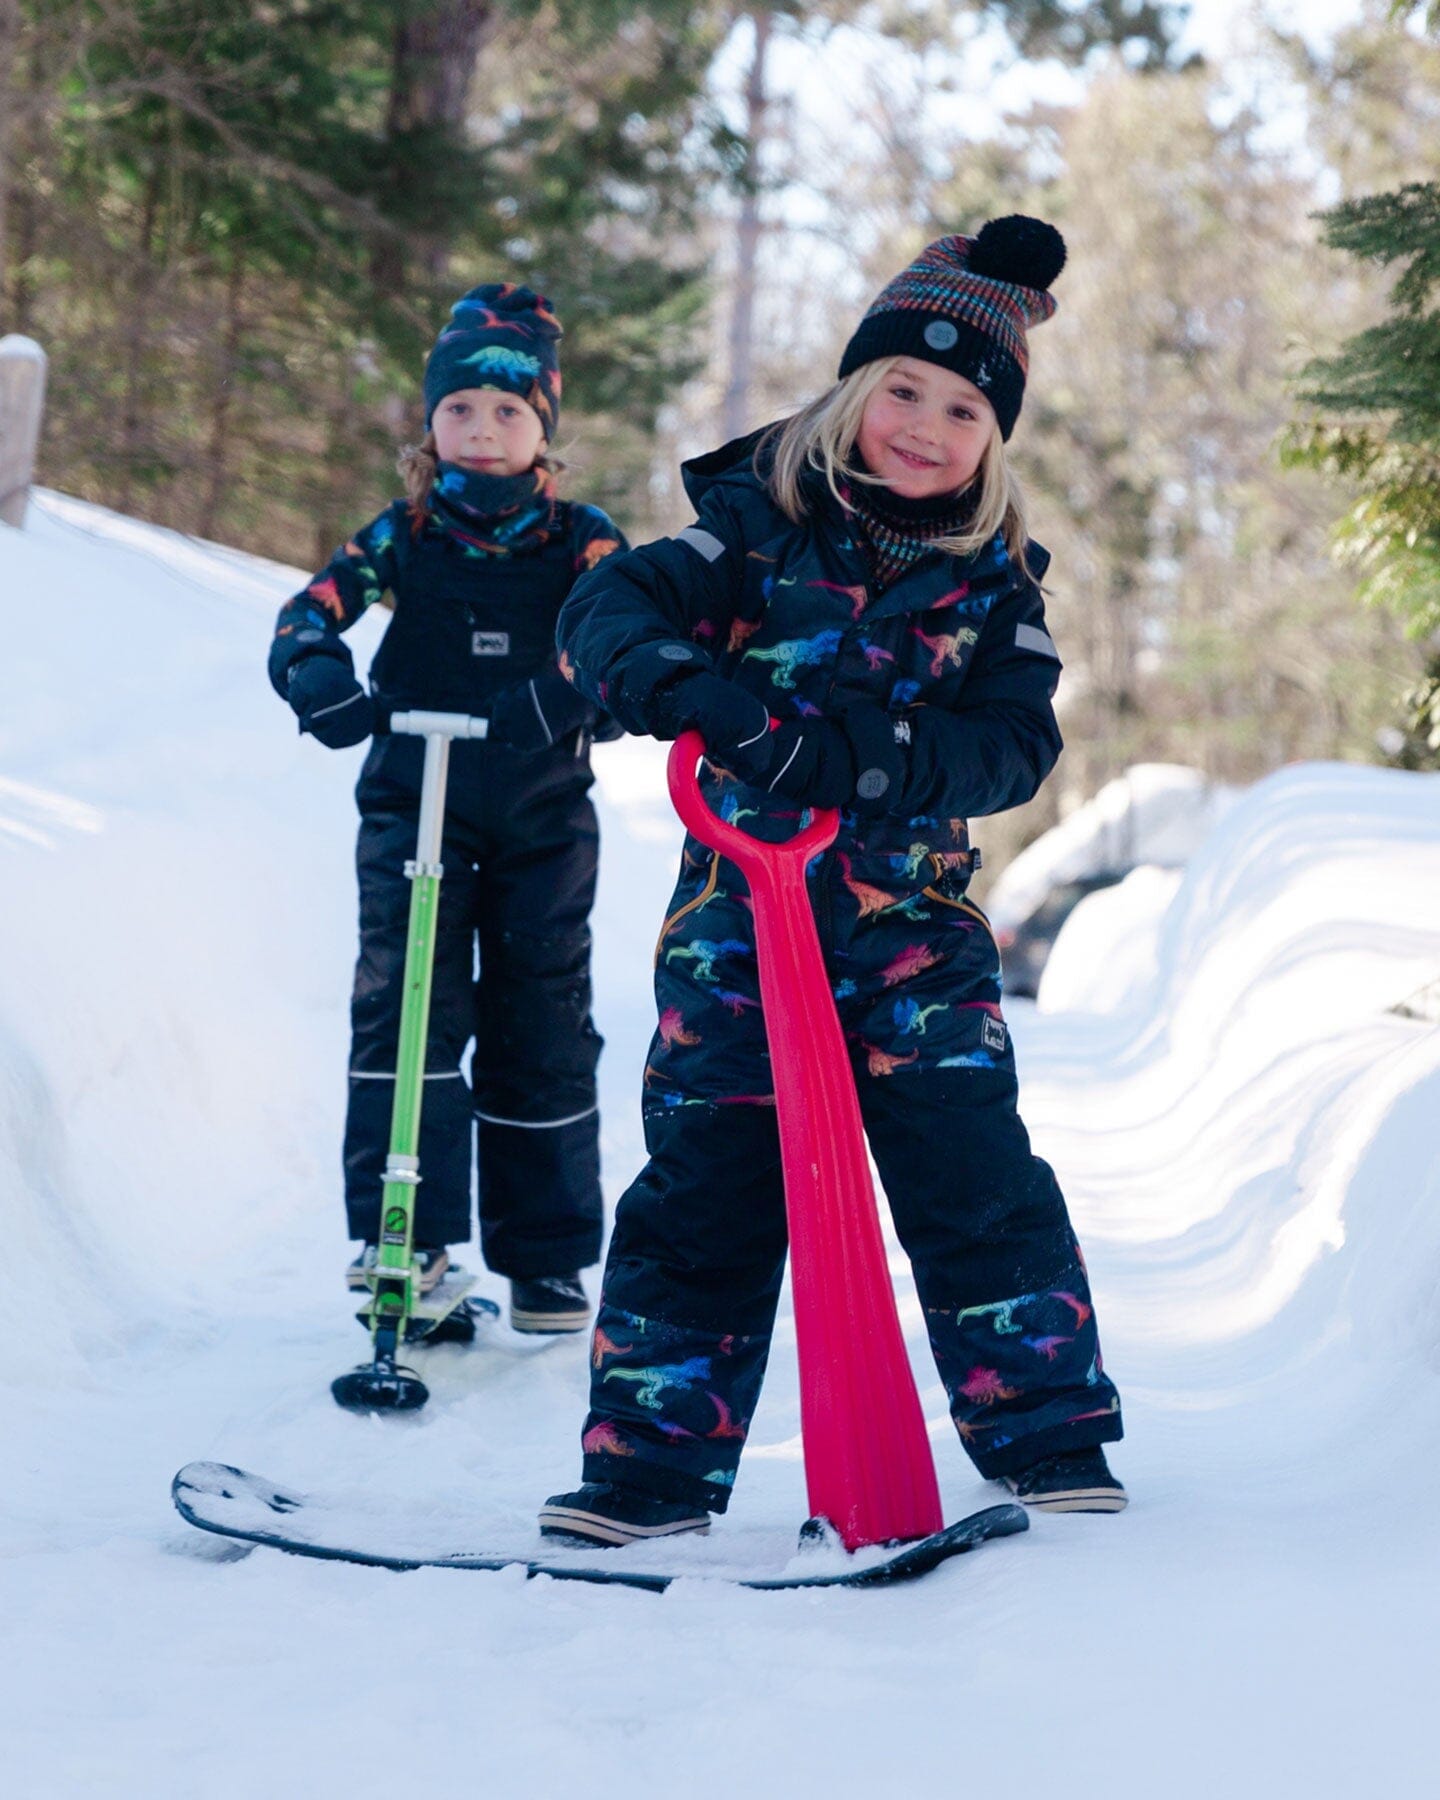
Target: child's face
[488, 430]
[925, 430]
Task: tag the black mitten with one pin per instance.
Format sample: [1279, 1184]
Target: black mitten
[734, 723]
[532, 715]
[637, 692]
[812, 760]
[880, 744]
[329, 702]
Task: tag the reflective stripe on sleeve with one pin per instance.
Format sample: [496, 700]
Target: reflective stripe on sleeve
[706, 542]
[1031, 637]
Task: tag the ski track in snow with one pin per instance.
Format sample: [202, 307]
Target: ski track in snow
[1246, 1134]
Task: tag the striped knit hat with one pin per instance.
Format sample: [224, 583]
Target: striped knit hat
[966, 304]
[499, 336]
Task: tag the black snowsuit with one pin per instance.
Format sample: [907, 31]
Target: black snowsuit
[519, 855]
[960, 651]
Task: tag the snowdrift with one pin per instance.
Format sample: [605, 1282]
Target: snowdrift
[1154, 815]
[1267, 1174]
[1246, 1132]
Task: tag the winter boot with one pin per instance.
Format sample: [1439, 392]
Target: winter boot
[550, 1303]
[602, 1513]
[433, 1264]
[1074, 1481]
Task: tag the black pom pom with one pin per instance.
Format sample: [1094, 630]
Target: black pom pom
[1026, 251]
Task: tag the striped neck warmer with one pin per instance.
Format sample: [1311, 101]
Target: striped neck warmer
[894, 533]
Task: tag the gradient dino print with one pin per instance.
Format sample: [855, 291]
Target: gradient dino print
[686, 1395]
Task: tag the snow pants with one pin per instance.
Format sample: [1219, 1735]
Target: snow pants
[519, 854]
[696, 1260]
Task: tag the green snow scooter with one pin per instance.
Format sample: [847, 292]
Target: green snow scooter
[397, 1313]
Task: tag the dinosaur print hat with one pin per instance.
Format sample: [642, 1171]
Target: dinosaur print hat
[966, 304]
[499, 336]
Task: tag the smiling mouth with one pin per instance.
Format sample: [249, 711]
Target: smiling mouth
[911, 460]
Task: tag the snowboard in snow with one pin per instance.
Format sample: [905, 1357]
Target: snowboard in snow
[448, 1314]
[236, 1504]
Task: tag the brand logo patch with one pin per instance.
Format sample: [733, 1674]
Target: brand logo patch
[940, 334]
[490, 643]
[992, 1034]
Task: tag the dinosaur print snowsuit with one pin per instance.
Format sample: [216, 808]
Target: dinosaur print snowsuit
[960, 651]
[519, 853]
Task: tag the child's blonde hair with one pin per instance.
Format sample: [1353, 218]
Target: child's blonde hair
[820, 437]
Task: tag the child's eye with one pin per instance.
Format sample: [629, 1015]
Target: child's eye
[963, 413]
[903, 393]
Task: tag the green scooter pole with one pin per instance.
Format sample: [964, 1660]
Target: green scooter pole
[383, 1384]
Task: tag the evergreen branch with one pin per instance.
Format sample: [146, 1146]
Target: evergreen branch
[1403, 225]
[247, 156]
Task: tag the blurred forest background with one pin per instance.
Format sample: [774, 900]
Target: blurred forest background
[236, 225]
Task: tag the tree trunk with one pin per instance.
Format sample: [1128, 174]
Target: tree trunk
[735, 412]
[435, 52]
[222, 403]
[9, 97]
[137, 342]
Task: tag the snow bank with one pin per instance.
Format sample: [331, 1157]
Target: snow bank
[1264, 1106]
[1106, 955]
[1155, 813]
[166, 981]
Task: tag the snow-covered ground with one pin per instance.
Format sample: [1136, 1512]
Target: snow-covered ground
[1247, 1134]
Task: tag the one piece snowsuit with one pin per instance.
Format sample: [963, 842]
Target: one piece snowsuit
[519, 854]
[960, 651]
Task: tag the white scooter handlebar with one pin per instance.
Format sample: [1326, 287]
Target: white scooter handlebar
[437, 729]
[439, 724]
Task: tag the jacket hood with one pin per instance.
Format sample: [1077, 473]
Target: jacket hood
[732, 464]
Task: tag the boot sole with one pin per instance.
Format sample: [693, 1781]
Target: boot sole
[550, 1321]
[594, 1528]
[1091, 1500]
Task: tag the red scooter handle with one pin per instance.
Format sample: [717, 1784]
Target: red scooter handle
[868, 1465]
[707, 825]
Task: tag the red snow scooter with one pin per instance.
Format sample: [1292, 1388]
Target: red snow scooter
[868, 1467]
[869, 1471]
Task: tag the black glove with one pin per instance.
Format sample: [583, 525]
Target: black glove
[532, 715]
[880, 744]
[734, 723]
[637, 690]
[857, 760]
[329, 702]
[811, 760]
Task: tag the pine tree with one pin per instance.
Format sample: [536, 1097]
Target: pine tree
[1377, 425]
[237, 228]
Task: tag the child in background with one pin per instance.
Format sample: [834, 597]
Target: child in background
[478, 560]
[854, 621]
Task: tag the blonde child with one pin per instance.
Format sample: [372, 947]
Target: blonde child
[854, 620]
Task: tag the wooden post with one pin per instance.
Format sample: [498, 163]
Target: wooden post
[22, 404]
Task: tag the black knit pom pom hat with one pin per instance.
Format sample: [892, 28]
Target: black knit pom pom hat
[966, 304]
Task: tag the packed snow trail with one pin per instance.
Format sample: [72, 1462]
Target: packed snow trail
[1246, 1134]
